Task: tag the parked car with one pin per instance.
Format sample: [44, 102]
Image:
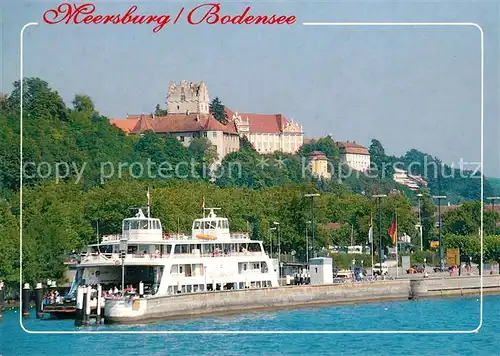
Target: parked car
[377, 270]
[439, 269]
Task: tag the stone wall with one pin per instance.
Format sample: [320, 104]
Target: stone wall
[233, 301]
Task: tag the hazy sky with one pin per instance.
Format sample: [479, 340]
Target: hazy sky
[410, 87]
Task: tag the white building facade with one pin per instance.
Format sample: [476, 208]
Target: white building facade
[354, 155]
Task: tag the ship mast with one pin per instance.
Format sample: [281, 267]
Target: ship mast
[149, 204]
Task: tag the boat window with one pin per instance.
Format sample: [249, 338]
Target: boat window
[181, 248]
[254, 247]
[197, 225]
[226, 224]
[220, 224]
[132, 249]
[169, 249]
[135, 224]
[174, 269]
[180, 269]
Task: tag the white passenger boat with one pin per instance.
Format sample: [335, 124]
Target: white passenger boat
[154, 264]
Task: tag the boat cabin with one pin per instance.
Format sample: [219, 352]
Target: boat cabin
[143, 228]
[211, 227]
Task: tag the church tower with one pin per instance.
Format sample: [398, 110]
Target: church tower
[187, 98]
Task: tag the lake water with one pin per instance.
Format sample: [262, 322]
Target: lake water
[431, 314]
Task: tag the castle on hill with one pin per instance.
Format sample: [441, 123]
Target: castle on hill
[188, 117]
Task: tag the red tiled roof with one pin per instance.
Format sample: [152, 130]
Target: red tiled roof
[316, 155]
[126, 125]
[353, 148]
[143, 124]
[264, 123]
[173, 123]
[308, 140]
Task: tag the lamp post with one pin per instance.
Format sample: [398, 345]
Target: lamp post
[312, 196]
[307, 243]
[123, 253]
[380, 247]
[271, 240]
[492, 199]
[279, 248]
[441, 252]
[420, 223]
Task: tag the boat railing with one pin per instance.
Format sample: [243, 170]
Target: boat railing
[113, 237]
[109, 257]
[240, 235]
[176, 236]
[218, 254]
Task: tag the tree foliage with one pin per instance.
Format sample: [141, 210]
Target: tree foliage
[217, 110]
[61, 212]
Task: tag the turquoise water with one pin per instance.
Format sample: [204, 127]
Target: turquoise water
[430, 314]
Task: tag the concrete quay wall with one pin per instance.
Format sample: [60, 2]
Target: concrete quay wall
[183, 305]
[224, 302]
[454, 286]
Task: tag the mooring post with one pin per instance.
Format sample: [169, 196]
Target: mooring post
[84, 305]
[2, 298]
[87, 305]
[99, 304]
[39, 300]
[26, 300]
[79, 306]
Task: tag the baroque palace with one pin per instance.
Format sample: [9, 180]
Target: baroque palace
[188, 117]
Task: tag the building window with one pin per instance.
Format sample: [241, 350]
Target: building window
[214, 134]
[181, 138]
[204, 134]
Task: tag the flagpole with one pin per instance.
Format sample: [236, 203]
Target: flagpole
[397, 259]
[149, 205]
[370, 238]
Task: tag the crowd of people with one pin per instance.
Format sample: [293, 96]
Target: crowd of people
[52, 297]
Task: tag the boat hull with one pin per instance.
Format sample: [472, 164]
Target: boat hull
[223, 302]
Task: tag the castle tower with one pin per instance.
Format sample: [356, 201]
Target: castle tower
[187, 98]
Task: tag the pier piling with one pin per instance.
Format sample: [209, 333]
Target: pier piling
[99, 304]
[79, 306]
[2, 299]
[88, 298]
[141, 289]
[38, 300]
[26, 294]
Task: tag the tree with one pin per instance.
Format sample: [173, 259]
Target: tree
[83, 103]
[217, 111]
[246, 145]
[160, 112]
[202, 150]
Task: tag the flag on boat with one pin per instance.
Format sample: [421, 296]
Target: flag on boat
[370, 230]
[393, 231]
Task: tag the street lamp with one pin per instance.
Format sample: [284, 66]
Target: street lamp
[312, 196]
[307, 243]
[380, 248]
[492, 199]
[123, 253]
[420, 222]
[271, 240]
[441, 252]
[279, 248]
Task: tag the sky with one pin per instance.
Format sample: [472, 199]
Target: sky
[409, 87]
